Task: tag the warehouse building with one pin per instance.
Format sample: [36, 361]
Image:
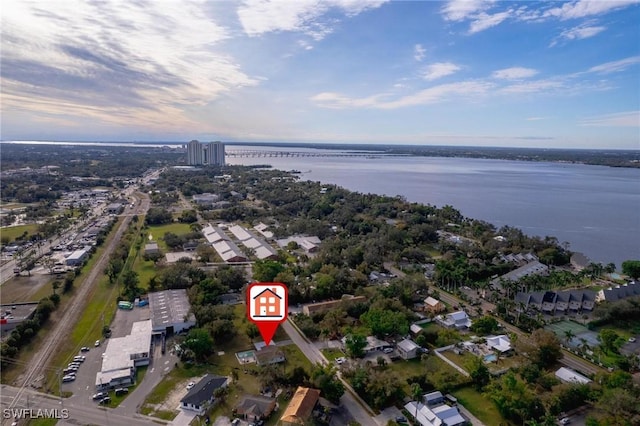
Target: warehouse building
[170, 311]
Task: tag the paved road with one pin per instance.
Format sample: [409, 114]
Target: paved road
[19, 398]
[348, 401]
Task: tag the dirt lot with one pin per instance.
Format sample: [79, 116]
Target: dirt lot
[24, 288]
[172, 402]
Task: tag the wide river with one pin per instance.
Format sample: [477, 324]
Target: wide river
[595, 209]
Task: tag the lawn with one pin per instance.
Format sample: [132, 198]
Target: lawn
[481, 407]
[144, 268]
[14, 232]
[331, 354]
[157, 233]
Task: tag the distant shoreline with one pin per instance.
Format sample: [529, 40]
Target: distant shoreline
[596, 157]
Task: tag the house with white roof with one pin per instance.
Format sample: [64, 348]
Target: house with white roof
[500, 343]
[458, 320]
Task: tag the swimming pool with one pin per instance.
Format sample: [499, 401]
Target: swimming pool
[246, 357]
[490, 358]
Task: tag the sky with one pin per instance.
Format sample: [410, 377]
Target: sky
[467, 73]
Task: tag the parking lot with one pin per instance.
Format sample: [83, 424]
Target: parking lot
[84, 386]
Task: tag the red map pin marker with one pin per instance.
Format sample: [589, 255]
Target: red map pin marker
[267, 305]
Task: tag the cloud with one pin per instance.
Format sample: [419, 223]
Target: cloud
[615, 66]
[259, 17]
[535, 118]
[585, 8]
[533, 87]
[443, 92]
[418, 52]
[439, 69]
[460, 10]
[580, 32]
[484, 21]
[621, 119]
[128, 61]
[514, 73]
[485, 14]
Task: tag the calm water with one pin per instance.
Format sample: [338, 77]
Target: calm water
[596, 209]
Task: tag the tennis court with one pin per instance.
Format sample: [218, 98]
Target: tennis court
[579, 331]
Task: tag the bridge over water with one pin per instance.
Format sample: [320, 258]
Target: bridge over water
[285, 154]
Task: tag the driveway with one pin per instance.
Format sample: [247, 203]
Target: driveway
[388, 414]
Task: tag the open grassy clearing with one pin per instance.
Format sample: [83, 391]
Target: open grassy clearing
[480, 406]
[331, 354]
[145, 269]
[157, 232]
[13, 232]
[26, 289]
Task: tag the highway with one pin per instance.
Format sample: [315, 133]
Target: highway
[352, 403]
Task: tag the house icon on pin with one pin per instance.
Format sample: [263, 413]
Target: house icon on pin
[267, 304]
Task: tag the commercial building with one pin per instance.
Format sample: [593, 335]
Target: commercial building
[260, 248]
[441, 415]
[123, 355]
[170, 311]
[310, 244]
[77, 257]
[225, 248]
[205, 154]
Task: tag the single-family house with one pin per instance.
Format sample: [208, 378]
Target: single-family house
[269, 355]
[458, 320]
[407, 349]
[151, 248]
[500, 343]
[253, 408]
[299, 410]
[201, 396]
[433, 305]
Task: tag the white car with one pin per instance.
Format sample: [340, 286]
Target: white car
[387, 350]
[190, 385]
[97, 343]
[632, 339]
[340, 360]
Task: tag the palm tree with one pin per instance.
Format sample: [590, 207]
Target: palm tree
[416, 393]
[568, 335]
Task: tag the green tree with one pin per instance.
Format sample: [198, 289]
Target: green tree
[608, 338]
[384, 322]
[479, 372]
[199, 341]
[325, 379]
[485, 325]
[266, 270]
[631, 268]
[542, 347]
[355, 344]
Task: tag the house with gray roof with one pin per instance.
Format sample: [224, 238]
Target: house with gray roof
[202, 395]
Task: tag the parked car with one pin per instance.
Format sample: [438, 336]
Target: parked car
[97, 343]
[79, 358]
[387, 350]
[99, 396]
[121, 391]
[401, 419]
[68, 378]
[84, 349]
[190, 385]
[565, 421]
[105, 400]
[340, 360]
[632, 339]
[68, 371]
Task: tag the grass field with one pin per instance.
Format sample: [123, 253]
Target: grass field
[481, 407]
[157, 232]
[331, 354]
[14, 232]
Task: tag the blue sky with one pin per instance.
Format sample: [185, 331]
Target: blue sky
[490, 73]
